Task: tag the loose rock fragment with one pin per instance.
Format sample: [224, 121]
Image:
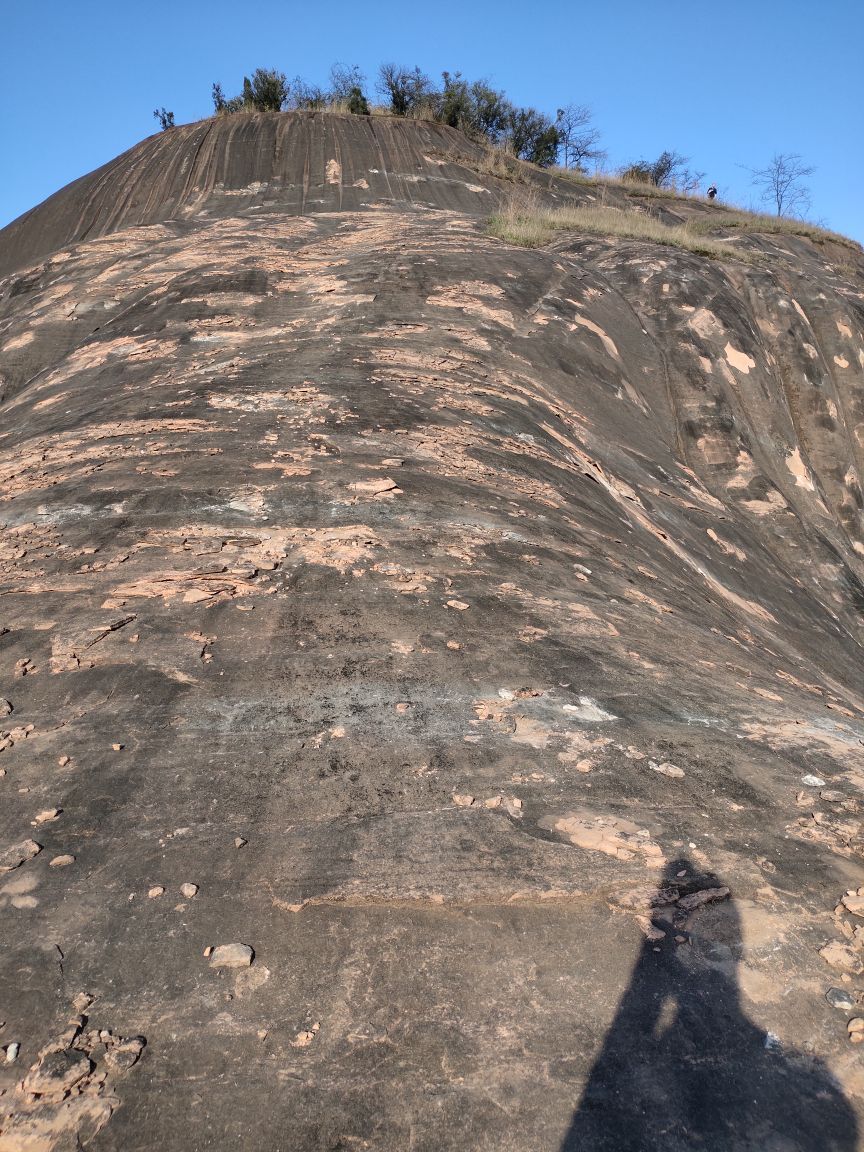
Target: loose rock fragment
[239, 842]
[11, 1051]
[813, 781]
[64, 760]
[6, 707]
[462, 800]
[46, 816]
[839, 998]
[842, 957]
[855, 1028]
[61, 861]
[650, 929]
[304, 1039]
[698, 899]
[189, 890]
[56, 1072]
[12, 857]
[232, 956]
[156, 890]
[666, 769]
[123, 1055]
[459, 605]
[854, 904]
[647, 897]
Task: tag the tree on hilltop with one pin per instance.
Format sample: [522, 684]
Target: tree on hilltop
[669, 170]
[408, 91]
[781, 183]
[532, 136]
[579, 140]
[267, 91]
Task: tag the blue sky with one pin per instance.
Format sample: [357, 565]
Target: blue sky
[725, 82]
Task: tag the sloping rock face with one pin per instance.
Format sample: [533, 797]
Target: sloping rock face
[465, 639]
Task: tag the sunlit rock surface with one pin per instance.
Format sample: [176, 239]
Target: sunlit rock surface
[430, 604]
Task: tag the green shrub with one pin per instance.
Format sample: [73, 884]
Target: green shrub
[358, 105]
[532, 136]
[267, 91]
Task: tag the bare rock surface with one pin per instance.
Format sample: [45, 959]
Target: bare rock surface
[502, 606]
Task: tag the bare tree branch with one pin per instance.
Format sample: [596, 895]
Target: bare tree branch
[780, 183]
[579, 139]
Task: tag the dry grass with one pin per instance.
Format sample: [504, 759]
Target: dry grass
[525, 222]
[755, 222]
[628, 187]
[497, 162]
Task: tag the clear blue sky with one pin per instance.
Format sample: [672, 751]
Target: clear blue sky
[726, 82]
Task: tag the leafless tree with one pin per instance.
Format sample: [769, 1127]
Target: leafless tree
[669, 170]
[579, 139]
[781, 183]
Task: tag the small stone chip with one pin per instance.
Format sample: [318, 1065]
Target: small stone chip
[12, 1051]
[16, 854]
[61, 861]
[706, 896]
[459, 605]
[232, 956]
[156, 890]
[841, 957]
[462, 800]
[118, 747]
[239, 842]
[46, 816]
[855, 1028]
[838, 998]
[854, 904]
[123, 1055]
[5, 707]
[666, 769]
[56, 1072]
[189, 890]
[64, 760]
[304, 1039]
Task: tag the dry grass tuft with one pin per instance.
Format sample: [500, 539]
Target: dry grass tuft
[525, 222]
[756, 223]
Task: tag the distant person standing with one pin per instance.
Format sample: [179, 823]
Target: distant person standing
[712, 191]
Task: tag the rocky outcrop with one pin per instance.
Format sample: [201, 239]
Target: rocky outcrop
[474, 632]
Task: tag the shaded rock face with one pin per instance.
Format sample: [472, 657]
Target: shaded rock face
[476, 632]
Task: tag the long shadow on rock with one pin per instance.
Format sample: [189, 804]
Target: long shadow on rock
[683, 1068]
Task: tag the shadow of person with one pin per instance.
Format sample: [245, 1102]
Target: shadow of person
[683, 1068]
